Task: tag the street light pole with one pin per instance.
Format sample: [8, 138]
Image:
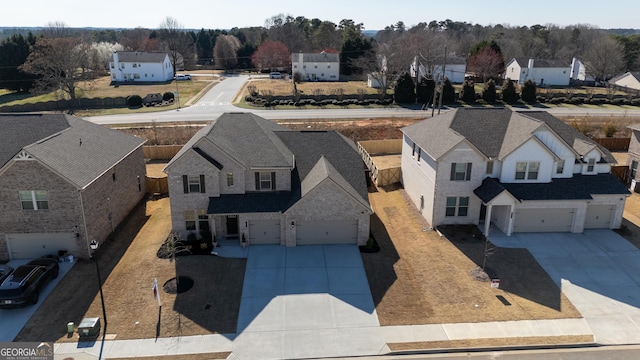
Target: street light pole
[94, 246]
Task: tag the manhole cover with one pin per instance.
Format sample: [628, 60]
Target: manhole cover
[179, 285]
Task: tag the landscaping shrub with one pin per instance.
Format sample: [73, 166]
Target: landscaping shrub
[468, 92]
[404, 90]
[509, 94]
[168, 96]
[134, 101]
[529, 92]
[635, 102]
[425, 90]
[249, 98]
[489, 91]
[448, 92]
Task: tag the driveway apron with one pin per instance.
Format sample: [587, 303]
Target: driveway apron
[306, 301]
[599, 271]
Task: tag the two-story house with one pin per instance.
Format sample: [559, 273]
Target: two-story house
[64, 182]
[321, 66]
[519, 171]
[139, 66]
[244, 176]
[541, 71]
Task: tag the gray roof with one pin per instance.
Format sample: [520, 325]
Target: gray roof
[543, 63]
[495, 132]
[140, 56]
[80, 152]
[315, 57]
[578, 187]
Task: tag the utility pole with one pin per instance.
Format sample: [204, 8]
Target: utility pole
[444, 66]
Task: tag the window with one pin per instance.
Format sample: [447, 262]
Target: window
[560, 166]
[315, 66]
[460, 171]
[203, 220]
[135, 65]
[634, 169]
[229, 179]
[527, 170]
[265, 181]
[193, 184]
[136, 76]
[489, 169]
[34, 200]
[113, 176]
[139, 184]
[111, 65]
[190, 220]
[295, 66]
[591, 164]
[328, 66]
[457, 206]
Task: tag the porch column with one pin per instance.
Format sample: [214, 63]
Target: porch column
[487, 220]
[511, 213]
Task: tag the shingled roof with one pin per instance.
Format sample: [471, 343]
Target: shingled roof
[76, 149]
[543, 63]
[495, 132]
[141, 56]
[315, 57]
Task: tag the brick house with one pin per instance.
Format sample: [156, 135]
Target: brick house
[244, 176]
[517, 171]
[64, 182]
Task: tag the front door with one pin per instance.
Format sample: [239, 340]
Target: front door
[232, 225]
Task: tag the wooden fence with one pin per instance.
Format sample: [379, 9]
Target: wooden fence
[381, 177]
[157, 186]
[614, 144]
[382, 147]
[622, 173]
[160, 152]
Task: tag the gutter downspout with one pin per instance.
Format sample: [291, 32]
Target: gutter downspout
[84, 222]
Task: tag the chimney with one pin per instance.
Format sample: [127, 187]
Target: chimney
[530, 65]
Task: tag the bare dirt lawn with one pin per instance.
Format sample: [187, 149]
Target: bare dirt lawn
[419, 277]
[129, 265]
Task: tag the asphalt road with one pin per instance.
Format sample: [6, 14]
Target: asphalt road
[219, 100]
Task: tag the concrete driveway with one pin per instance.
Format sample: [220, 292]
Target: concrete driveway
[306, 301]
[13, 320]
[599, 271]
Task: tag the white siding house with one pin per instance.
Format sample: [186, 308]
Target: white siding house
[523, 171]
[316, 66]
[628, 80]
[543, 72]
[454, 70]
[136, 66]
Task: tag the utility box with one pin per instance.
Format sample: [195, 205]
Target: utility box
[89, 327]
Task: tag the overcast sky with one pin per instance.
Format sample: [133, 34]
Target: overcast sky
[374, 14]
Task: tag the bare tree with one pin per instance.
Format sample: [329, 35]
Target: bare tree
[56, 29]
[486, 63]
[178, 43]
[603, 59]
[225, 51]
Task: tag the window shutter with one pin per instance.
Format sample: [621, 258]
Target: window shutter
[257, 181]
[185, 184]
[202, 189]
[468, 171]
[273, 180]
[453, 171]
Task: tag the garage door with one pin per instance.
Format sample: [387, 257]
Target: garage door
[28, 246]
[543, 220]
[264, 232]
[327, 232]
[599, 216]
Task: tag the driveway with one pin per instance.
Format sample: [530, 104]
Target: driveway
[599, 271]
[306, 301]
[13, 320]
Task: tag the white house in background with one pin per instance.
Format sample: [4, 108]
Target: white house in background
[628, 80]
[517, 171]
[543, 72]
[137, 66]
[374, 80]
[321, 66]
[579, 73]
[454, 69]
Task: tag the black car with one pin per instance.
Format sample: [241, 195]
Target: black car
[24, 284]
[5, 270]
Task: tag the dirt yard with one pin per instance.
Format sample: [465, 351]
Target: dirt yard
[129, 264]
[419, 277]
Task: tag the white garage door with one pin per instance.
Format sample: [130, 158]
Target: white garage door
[599, 216]
[28, 246]
[327, 232]
[264, 232]
[543, 220]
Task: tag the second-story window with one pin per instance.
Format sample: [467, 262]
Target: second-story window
[591, 164]
[489, 169]
[527, 170]
[560, 166]
[34, 200]
[265, 181]
[193, 184]
[229, 179]
[460, 171]
[634, 169]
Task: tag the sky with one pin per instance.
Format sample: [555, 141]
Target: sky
[374, 14]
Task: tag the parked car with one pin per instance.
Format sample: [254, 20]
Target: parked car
[24, 284]
[182, 77]
[275, 75]
[5, 270]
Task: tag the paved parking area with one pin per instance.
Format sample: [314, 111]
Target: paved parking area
[13, 320]
[306, 301]
[599, 271]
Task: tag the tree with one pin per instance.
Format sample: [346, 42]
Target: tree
[424, 91]
[13, 53]
[177, 43]
[102, 53]
[244, 55]
[448, 92]
[529, 92]
[487, 63]
[468, 93]
[353, 49]
[508, 91]
[489, 91]
[224, 52]
[404, 91]
[58, 63]
[604, 59]
[375, 65]
[271, 55]
[326, 36]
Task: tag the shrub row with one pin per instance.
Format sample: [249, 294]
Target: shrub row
[260, 101]
[592, 101]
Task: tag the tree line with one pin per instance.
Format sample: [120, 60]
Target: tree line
[58, 57]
